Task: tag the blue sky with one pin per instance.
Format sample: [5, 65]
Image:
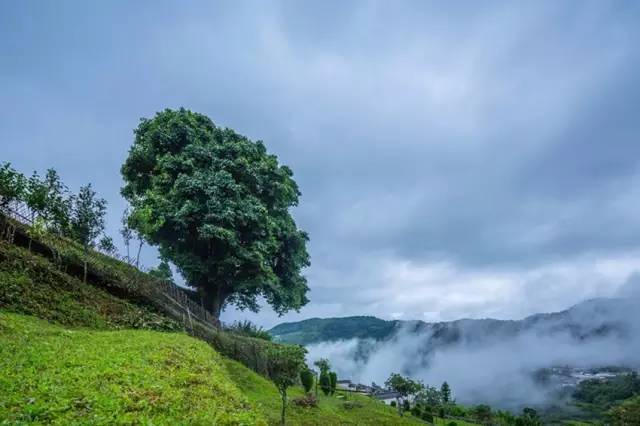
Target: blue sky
[455, 159]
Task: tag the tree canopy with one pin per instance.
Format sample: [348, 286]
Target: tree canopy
[217, 206]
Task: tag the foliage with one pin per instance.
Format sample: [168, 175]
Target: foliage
[482, 413]
[329, 329]
[53, 375]
[445, 392]
[88, 212]
[627, 413]
[284, 366]
[325, 382]
[323, 365]
[162, 272]
[31, 285]
[217, 205]
[106, 245]
[403, 385]
[605, 393]
[330, 410]
[12, 185]
[333, 381]
[247, 328]
[307, 379]
[429, 396]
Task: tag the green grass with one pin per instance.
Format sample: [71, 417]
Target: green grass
[330, 411]
[53, 375]
[32, 285]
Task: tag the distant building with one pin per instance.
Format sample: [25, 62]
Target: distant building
[344, 384]
[386, 396]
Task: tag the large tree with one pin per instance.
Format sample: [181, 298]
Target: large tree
[217, 206]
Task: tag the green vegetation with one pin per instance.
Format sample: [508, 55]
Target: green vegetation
[285, 364]
[32, 285]
[317, 329]
[217, 205]
[627, 413]
[247, 328]
[54, 375]
[405, 387]
[307, 379]
[340, 409]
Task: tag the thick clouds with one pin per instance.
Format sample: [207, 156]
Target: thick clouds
[454, 160]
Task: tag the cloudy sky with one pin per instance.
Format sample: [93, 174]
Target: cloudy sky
[455, 159]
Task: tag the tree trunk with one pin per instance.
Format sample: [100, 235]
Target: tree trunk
[398, 405]
[86, 252]
[214, 299]
[284, 406]
[138, 255]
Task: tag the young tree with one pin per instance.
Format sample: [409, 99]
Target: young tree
[333, 382]
[162, 271]
[106, 245]
[445, 392]
[87, 221]
[284, 364]
[404, 386]
[126, 232]
[35, 195]
[306, 377]
[323, 365]
[429, 396]
[325, 383]
[57, 204]
[217, 205]
[12, 185]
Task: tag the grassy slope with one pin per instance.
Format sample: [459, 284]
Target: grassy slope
[31, 285]
[49, 374]
[331, 410]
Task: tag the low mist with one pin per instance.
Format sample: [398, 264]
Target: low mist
[493, 361]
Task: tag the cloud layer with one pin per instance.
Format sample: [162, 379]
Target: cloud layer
[454, 160]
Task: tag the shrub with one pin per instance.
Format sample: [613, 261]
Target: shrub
[349, 405]
[416, 411]
[333, 382]
[306, 377]
[325, 383]
[405, 405]
[452, 424]
[307, 401]
[249, 329]
[393, 403]
[427, 417]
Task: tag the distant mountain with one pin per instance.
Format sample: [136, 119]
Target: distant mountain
[595, 317]
[316, 330]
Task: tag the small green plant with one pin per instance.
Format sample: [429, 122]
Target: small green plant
[249, 329]
[333, 382]
[284, 365]
[306, 377]
[325, 383]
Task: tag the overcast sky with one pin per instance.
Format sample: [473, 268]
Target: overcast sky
[456, 159]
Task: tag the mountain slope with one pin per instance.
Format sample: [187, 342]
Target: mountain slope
[317, 329]
[592, 318]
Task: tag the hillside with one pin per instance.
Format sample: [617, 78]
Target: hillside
[590, 319]
[56, 375]
[328, 329]
[103, 353]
